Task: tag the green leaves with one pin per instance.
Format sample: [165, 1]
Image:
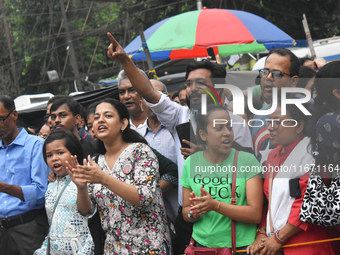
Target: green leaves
[39, 41]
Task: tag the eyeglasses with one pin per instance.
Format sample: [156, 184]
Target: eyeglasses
[275, 73]
[2, 120]
[275, 123]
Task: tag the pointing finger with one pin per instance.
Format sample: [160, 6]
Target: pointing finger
[112, 39]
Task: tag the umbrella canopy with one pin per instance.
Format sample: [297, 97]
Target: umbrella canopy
[228, 32]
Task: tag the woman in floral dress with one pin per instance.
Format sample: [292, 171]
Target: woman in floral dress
[123, 182]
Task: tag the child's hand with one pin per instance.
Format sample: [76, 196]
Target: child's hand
[71, 168]
[74, 161]
[51, 177]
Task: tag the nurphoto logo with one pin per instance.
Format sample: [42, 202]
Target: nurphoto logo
[239, 102]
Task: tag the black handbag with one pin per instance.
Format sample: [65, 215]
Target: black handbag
[321, 203]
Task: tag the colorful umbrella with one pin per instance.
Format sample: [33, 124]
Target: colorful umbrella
[228, 32]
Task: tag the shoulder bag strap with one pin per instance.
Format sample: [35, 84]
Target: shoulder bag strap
[54, 207]
[233, 202]
[59, 196]
[270, 190]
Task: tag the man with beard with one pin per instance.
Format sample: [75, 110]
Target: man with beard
[47, 117]
[65, 115]
[281, 69]
[170, 114]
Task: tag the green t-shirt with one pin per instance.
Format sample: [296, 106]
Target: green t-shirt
[214, 229]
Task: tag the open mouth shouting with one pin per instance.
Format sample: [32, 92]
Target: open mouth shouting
[226, 142]
[57, 167]
[102, 128]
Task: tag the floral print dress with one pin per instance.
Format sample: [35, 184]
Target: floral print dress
[130, 229]
[69, 232]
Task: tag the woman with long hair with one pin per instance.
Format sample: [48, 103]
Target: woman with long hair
[123, 182]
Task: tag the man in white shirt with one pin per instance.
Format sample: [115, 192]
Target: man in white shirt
[156, 134]
[161, 139]
[131, 99]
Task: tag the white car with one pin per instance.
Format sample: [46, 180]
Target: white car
[328, 48]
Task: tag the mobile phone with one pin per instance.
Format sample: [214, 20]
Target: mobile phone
[211, 53]
[186, 132]
[294, 188]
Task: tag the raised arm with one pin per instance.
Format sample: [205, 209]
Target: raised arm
[139, 81]
[83, 199]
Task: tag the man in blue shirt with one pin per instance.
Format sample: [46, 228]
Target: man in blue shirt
[23, 182]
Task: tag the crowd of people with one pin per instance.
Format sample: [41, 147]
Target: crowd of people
[117, 178]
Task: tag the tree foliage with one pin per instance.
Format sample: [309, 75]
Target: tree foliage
[39, 42]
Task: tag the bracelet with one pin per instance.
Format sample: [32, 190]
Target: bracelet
[277, 239]
[218, 207]
[260, 231]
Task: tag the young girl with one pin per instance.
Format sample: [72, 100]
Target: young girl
[69, 233]
[206, 196]
[288, 161]
[124, 184]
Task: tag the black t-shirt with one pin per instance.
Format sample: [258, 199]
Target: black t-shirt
[88, 147]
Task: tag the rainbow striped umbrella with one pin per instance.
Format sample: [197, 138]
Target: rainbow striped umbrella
[228, 32]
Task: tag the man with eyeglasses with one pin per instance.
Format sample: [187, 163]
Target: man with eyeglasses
[23, 183]
[281, 69]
